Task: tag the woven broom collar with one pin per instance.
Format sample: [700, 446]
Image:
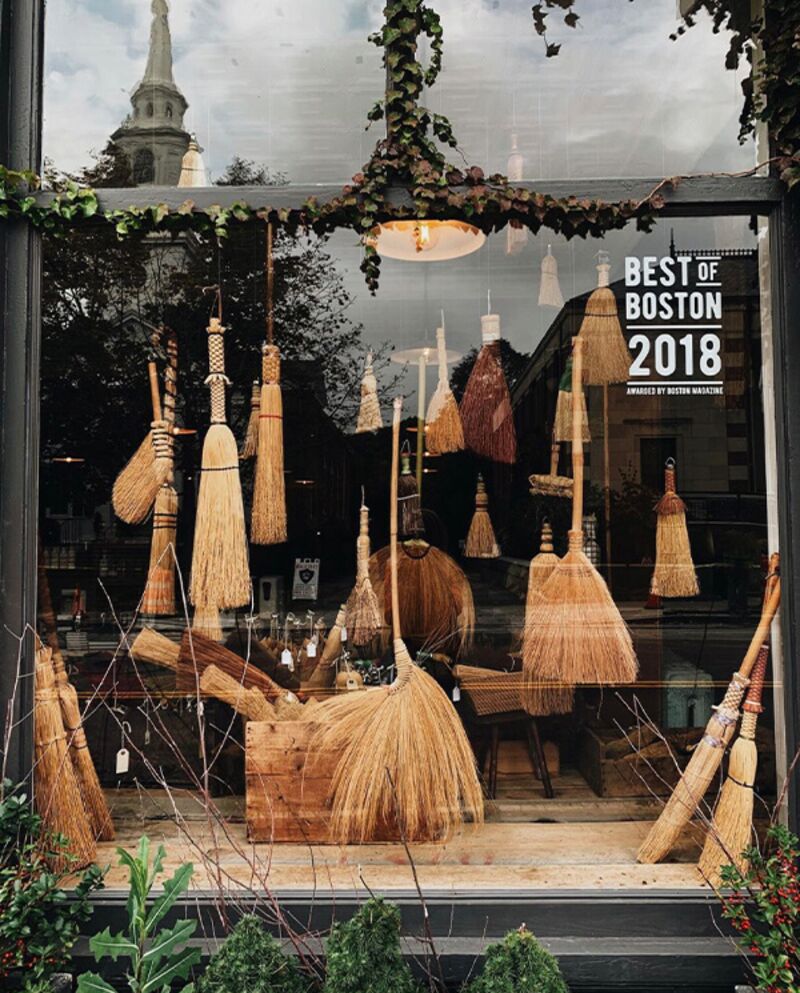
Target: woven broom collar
[216, 347]
[546, 544]
[270, 364]
[575, 541]
[481, 497]
[752, 705]
[670, 503]
[255, 396]
[217, 384]
[728, 711]
[162, 439]
[362, 545]
[603, 274]
[490, 329]
[403, 666]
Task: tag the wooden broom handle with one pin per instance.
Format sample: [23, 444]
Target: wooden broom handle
[398, 408]
[155, 394]
[761, 634]
[555, 449]
[270, 287]
[577, 435]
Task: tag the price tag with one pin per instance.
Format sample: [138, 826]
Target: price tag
[344, 633]
[456, 693]
[311, 650]
[286, 658]
[123, 761]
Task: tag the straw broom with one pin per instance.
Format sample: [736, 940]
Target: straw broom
[673, 575]
[542, 565]
[732, 824]
[268, 525]
[250, 703]
[159, 592]
[369, 411]
[562, 427]
[706, 758]
[575, 633]
[250, 443]
[56, 791]
[135, 488]
[552, 485]
[481, 542]
[404, 752]
[486, 414]
[220, 570]
[94, 800]
[364, 619]
[445, 433]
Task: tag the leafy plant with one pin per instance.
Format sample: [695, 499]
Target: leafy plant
[764, 908]
[364, 953]
[157, 956]
[251, 961]
[519, 964]
[39, 920]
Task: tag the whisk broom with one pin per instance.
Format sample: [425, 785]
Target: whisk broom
[56, 792]
[268, 525]
[481, 542]
[706, 758]
[404, 752]
[135, 488]
[250, 443]
[363, 612]
[551, 484]
[445, 433]
[369, 411]
[732, 824]
[575, 632]
[673, 575]
[220, 570]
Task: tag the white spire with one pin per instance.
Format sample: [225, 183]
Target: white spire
[193, 170]
[159, 58]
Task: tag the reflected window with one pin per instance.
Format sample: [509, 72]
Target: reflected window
[144, 166]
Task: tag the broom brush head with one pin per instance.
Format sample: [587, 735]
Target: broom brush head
[363, 611]
[607, 358]
[674, 573]
[159, 593]
[444, 432]
[251, 703]
[369, 412]
[481, 542]
[150, 646]
[268, 524]
[250, 443]
[486, 415]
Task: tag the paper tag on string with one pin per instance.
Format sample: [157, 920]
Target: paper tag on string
[123, 761]
[456, 693]
[286, 657]
[311, 650]
[344, 633]
[201, 708]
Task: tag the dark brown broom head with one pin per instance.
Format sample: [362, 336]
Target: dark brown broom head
[486, 415]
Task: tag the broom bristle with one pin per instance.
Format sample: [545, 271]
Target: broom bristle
[250, 443]
[94, 799]
[135, 488]
[436, 602]
[250, 702]
[542, 698]
[198, 652]
[606, 357]
[731, 829]
[486, 415]
[413, 735]
[268, 525]
[58, 799]
[364, 619]
[150, 646]
[220, 570]
[159, 593]
[481, 542]
[674, 573]
[444, 431]
[575, 632]
[207, 622]
[562, 428]
[541, 567]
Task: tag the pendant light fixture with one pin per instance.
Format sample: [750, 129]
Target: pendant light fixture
[426, 241]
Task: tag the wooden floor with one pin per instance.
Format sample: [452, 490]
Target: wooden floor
[574, 842]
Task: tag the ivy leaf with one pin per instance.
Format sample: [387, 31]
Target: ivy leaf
[552, 50]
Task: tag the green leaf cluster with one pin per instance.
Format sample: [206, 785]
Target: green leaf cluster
[251, 961]
[519, 964]
[158, 955]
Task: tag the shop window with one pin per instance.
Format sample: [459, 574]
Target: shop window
[144, 166]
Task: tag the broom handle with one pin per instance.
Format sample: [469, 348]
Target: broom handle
[398, 407]
[421, 420]
[155, 395]
[577, 435]
[761, 633]
[441, 350]
[270, 287]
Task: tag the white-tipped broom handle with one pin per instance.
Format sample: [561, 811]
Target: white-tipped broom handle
[577, 435]
[441, 349]
[761, 633]
[398, 409]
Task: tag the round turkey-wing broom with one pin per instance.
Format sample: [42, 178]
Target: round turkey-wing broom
[706, 758]
[486, 415]
[220, 570]
[268, 524]
[250, 443]
[403, 750]
[94, 799]
[369, 412]
[575, 632]
[673, 575]
[731, 827]
[136, 487]
[562, 425]
[159, 591]
[481, 542]
[444, 432]
[56, 791]
[363, 612]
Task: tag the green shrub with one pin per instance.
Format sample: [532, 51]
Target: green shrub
[39, 921]
[251, 961]
[519, 964]
[364, 954]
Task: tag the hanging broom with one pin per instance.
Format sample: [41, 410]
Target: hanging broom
[606, 356]
[94, 800]
[364, 619]
[551, 484]
[411, 522]
[445, 433]
[575, 633]
[159, 592]
[56, 791]
[369, 413]
[220, 570]
[732, 824]
[135, 488]
[250, 443]
[268, 526]
[562, 428]
[486, 414]
[550, 289]
[674, 574]
[706, 758]
[403, 750]
[481, 542]
[542, 565]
